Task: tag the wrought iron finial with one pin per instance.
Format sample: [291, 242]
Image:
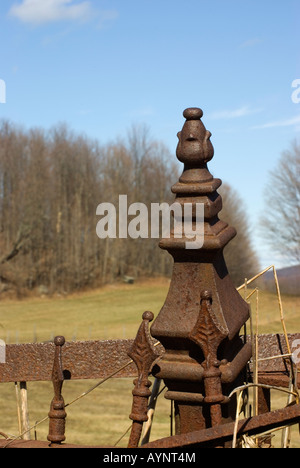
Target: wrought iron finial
[222, 310]
[57, 414]
[194, 148]
[144, 354]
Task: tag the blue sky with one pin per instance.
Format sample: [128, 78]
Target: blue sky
[103, 65]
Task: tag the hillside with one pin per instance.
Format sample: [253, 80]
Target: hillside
[289, 280]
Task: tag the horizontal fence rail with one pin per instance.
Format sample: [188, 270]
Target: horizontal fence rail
[81, 360]
[99, 359]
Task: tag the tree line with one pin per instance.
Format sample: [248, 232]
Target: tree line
[51, 182]
[280, 222]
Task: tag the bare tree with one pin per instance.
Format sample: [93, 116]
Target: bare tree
[240, 255]
[16, 247]
[280, 223]
[51, 183]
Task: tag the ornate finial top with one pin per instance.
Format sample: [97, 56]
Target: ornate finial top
[194, 148]
[149, 316]
[193, 113]
[59, 340]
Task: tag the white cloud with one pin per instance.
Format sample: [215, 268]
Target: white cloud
[281, 123]
[234, 114]
[38, 12]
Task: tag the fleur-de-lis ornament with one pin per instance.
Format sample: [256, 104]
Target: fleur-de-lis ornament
[144, 355]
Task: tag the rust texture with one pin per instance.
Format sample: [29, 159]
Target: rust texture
[144, 354]
[57, 414]
[200, 322]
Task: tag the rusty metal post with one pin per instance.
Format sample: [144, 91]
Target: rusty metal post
[199, 323]
[57, 414]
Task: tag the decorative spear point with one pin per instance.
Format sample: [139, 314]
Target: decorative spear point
[144, 354]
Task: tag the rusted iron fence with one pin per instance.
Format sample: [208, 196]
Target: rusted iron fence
[194, 345]
[105, 359]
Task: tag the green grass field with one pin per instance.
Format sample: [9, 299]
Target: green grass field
[112, 312]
